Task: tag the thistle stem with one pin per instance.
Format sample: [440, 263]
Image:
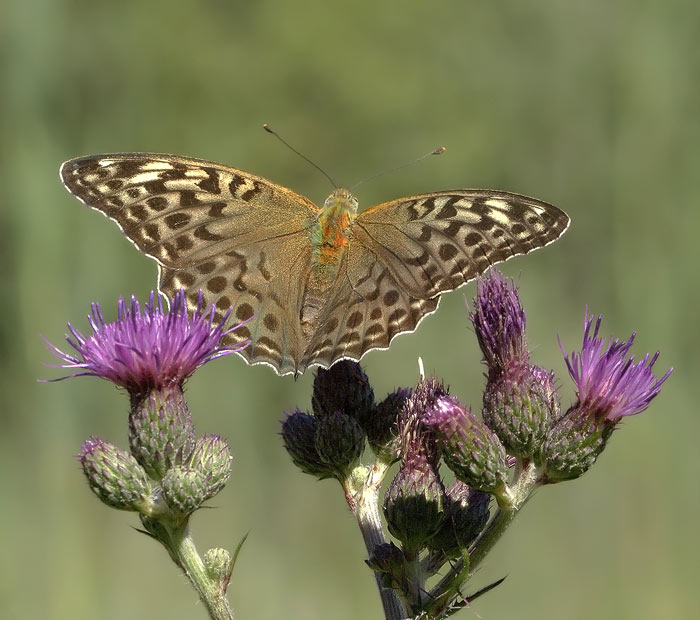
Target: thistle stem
[180, 546]
[363, 503]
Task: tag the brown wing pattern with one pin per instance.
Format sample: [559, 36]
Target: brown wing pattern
[366, 309]
[262, 280]
[239, 238]
[434, 243]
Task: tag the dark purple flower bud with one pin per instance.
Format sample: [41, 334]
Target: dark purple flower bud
[466, 514]
[147, 348]
[340, 441]
[499, 322]
[212, 457]
[299, 437]
[520, 405]
[413, 504]
[115, 476]
[390, 561]
[343, 387]
[609, 386]
[161, 433]
[469, 448]
[382, 430]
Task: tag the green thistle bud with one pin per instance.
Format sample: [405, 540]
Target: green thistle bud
[115, 476]
[343, 387]
[466, 514]
[413, 504]
[161, 434]
[469, 448]
[340, 441]
[211, 456]
[520, 405]
[219, 565]
[299, 437]
[573, 445]
[185, 490]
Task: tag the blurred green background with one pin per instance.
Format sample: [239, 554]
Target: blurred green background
[592, 106]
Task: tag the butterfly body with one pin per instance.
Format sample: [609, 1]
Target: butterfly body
[315, 284]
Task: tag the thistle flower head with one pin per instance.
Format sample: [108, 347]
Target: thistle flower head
[147, 348]
[499, 321]
[610, 385]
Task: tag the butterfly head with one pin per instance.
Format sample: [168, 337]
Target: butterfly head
[341, 200]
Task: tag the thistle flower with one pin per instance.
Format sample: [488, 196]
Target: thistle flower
[520, 401]
[499, 321]
[147, 348]
[610, 386]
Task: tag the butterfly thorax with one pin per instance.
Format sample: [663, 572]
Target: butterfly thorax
[329, 238]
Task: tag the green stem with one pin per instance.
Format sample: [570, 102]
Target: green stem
[180, 546]
[363, 503]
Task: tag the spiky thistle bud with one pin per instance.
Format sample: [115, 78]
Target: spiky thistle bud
[115, 476]
[299, 438]
[212, 457]
[184, 489]
[470, 449]
[340, 441]
[388, 560]
[161, 433]
[466, 514]
[520, 405]
[219, 565]
[343, 387]
[413, 504]
[383, 429]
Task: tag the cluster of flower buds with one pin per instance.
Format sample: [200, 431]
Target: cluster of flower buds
[521, 424]
[168, 473]
[329, 442]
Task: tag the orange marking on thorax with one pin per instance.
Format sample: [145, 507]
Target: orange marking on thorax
[334, 237]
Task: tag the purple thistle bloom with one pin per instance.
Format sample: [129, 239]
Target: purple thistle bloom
[499, 321]
[609, 384]
[147, 348]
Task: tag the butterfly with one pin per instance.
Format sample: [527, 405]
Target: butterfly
[316, 285]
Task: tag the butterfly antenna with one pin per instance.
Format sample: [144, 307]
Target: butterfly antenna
[438, 151]
[269, 129]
